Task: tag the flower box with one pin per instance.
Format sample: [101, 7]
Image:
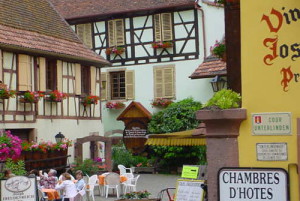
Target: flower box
[88, 100]
[219, 50]
[31, 96]
[114, 50]
[161, 102]
[115, 105]
[6, 94]
[162, 44]
[56, 96]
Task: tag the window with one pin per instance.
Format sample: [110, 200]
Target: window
[116, 33]
[85, 80]
[51, 73]
[163, 27]
[25, 69]
[84, 32]
[164, 80]
[117, 85]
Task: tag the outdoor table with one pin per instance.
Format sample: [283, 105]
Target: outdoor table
[102, 178]
[51, 193]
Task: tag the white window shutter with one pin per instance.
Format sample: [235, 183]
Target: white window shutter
[158, 83]
[168, 78]
[119, 32]
[111, 33]
[42, 74]
[24, 72]
[166, 27]
[77, 79]
[103, 86]
[93, 80]
[157, 27]
[59, 67]
[129, 80]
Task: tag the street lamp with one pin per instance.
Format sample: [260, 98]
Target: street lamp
[59, 137]
[218, 83]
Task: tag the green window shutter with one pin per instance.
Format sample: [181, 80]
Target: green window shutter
[104, 86]
[129, 79]
[166, 26]
[157, 27]
[158, 83]
[119, 33]
[111, 33]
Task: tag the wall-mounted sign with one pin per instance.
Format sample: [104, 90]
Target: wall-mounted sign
[271, 151]
[271, 123]
[19, 188]
[246, 184]
[190, 172]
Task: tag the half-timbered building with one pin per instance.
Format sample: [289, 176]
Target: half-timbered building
[40, 54]
[154, 46]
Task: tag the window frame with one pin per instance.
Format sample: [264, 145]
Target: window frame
[112, 93]
[51, 74]
[85, 80]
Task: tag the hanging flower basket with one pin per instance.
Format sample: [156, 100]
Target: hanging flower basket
[162, 44]
[114, 50]
[115, 105]
[56, 96]
[161, 102]
[219, 50]
[6, 94]
[88, 100]
[31, 96]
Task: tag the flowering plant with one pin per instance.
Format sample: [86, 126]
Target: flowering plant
[88, 100]
[219, 49]
[5, 94]
[57, 96]
[161, 102]
[46, 146]
[137, 195]
[115, 105]
[10, 146]
[114, 50]
[31, 96]
[162, 44]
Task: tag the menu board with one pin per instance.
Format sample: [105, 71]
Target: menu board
[189, 190]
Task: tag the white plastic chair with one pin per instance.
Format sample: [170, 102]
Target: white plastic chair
[131, 184]
[125, 171]
[94, 180]
[78, 197]
[42, 195]
[112, 181]
[89, 189]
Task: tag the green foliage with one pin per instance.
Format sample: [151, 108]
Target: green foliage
[121, 156]
[88, 166]
[16, 167]
[179, 116]
[136, 195]
[224, 99]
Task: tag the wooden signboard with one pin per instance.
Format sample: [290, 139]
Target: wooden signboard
[189, 190]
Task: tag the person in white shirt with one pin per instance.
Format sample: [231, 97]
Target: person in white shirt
[68, 186]
[80, 182]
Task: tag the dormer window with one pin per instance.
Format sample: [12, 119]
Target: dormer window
[163, 27]
[116, 35]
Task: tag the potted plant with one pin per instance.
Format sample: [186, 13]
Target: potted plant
[161, 102]
[10, 146]
[219, 50]
[114, 50]
[115, 105]
[31, 96]
[162, 44]
[6, 94]
[56, 96]
[90, 99]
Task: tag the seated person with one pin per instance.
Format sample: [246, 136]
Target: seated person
[68, 186]
[80, 182]
[49, 181]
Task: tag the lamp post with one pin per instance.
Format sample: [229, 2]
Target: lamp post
[59, 137]
[218, 83]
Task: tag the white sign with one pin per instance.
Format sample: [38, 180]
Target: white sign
[271, 151]
[189, 190]
[18, 188]
[271, 123]
[241, 184]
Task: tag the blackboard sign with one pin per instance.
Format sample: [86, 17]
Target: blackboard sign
[189, 190]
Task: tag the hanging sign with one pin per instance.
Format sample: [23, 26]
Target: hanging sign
[271, 123]
[243, 184]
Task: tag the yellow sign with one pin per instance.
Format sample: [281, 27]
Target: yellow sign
[190, 172]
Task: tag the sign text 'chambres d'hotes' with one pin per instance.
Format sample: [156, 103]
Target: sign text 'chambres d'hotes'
[247, 184]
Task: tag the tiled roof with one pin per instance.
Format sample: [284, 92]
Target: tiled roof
[70, 9]
[210, 67]
[34, 26]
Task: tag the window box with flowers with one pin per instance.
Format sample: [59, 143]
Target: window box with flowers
[89, 100]
[161, 102]
[6, 94]
[219, 50]
[162, 44]
[115, 105]
[31, 96]
[56, 96]
[114, 50]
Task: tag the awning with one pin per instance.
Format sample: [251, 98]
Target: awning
[183, 138]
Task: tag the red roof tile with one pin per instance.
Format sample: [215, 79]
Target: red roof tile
[210, 67]
[71, 9]
[34, 26]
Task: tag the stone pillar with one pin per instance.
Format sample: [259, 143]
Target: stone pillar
[222, 130]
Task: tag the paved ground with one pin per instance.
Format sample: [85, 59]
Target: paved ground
[153, 183]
